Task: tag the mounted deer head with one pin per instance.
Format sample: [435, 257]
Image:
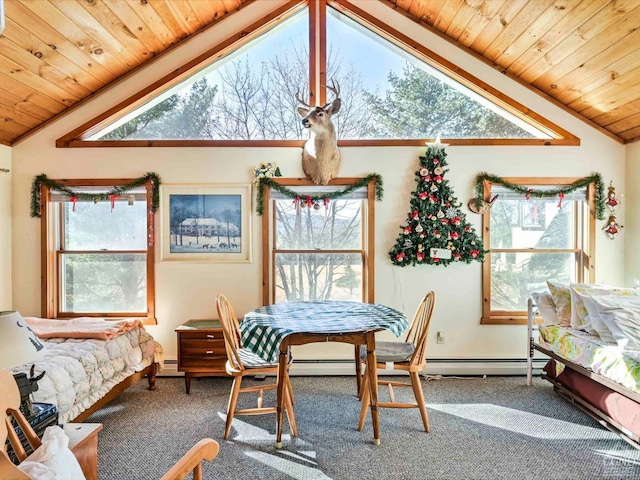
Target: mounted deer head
[320, 156]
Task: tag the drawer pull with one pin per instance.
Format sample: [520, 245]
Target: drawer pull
[209, 351]
[210, 336]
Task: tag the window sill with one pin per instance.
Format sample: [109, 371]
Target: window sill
[514, 319]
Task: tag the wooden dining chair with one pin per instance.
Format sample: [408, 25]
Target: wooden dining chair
[189, 464]
[242, 362]
[407, 356]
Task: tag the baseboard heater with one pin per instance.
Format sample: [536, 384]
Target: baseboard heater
[435, 366]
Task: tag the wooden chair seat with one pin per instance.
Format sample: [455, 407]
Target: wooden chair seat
[390, 352]
[242, 362]
[408, 356]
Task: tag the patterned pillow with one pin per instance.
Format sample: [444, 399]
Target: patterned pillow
[579, 313]
[561, 295]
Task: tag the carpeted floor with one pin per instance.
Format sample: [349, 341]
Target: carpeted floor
[495, 428]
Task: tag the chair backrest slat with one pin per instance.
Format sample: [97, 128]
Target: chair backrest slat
[10, 407]
[230, 330]
[419, 330]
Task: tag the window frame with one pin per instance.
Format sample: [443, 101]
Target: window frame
[51, 228]
[585, 253]
[269, 250]
[317, 90]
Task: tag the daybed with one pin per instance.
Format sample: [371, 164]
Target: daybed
[84, 374]
[590, 366]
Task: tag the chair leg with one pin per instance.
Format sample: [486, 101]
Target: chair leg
[358, 371]
[288, 405]
[290, 390]
[417, 391]
[233, 401]
[365, 400]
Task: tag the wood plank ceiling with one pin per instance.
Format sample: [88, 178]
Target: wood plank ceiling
[585, 54]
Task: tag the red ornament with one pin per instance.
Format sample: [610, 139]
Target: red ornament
[475, 253]
[113, 197]
[561, 196]
[73, 200]
[423, 195]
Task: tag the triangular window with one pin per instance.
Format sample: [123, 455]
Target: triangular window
[249, 95]
[393, 94]
[393, 91]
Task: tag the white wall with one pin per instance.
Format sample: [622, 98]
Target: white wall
[631, 199]
[187, 291]
[5, 228]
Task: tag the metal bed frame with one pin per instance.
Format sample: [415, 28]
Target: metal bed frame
[601, 417]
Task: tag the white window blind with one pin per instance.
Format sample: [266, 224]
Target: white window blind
[507, 194]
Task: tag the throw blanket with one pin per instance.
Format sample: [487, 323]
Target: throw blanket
[83, 327]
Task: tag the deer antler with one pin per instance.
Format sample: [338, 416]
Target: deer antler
[335, 88]
[302, 102]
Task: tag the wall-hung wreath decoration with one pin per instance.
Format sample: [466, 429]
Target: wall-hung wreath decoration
[111, 195]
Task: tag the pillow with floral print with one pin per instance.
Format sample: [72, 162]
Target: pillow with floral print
[561, 294]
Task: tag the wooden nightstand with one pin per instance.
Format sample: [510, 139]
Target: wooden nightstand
[83, 442]
[201, 350]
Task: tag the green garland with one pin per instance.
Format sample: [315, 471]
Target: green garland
[595, 178]
[118, 191]
[268, 181]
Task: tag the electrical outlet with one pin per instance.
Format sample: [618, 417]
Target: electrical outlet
[440, 337]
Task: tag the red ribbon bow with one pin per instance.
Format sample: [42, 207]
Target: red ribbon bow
[113, 197]
[561, 197]
[73, 199]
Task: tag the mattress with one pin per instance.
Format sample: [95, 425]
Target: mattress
[591, 352]
[78, 372]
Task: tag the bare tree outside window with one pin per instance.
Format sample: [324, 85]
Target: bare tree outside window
[252, 96]
[323, 258]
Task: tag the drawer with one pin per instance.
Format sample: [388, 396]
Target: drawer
[203, 335]
[216, 362]
[203, 351]
[202, 344]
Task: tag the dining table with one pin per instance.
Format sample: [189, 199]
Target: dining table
[270, 331]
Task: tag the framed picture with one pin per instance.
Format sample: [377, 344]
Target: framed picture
[206, 223]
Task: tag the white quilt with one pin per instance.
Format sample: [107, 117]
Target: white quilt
[80, 372]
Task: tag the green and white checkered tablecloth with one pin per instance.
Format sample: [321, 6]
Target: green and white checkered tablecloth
[263, 329]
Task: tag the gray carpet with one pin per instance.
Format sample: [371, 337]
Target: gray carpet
[494, 428]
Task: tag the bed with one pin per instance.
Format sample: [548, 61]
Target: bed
[81, 375]
[596, 373]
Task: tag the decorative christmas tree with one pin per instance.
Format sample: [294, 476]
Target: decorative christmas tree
[436, 232]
